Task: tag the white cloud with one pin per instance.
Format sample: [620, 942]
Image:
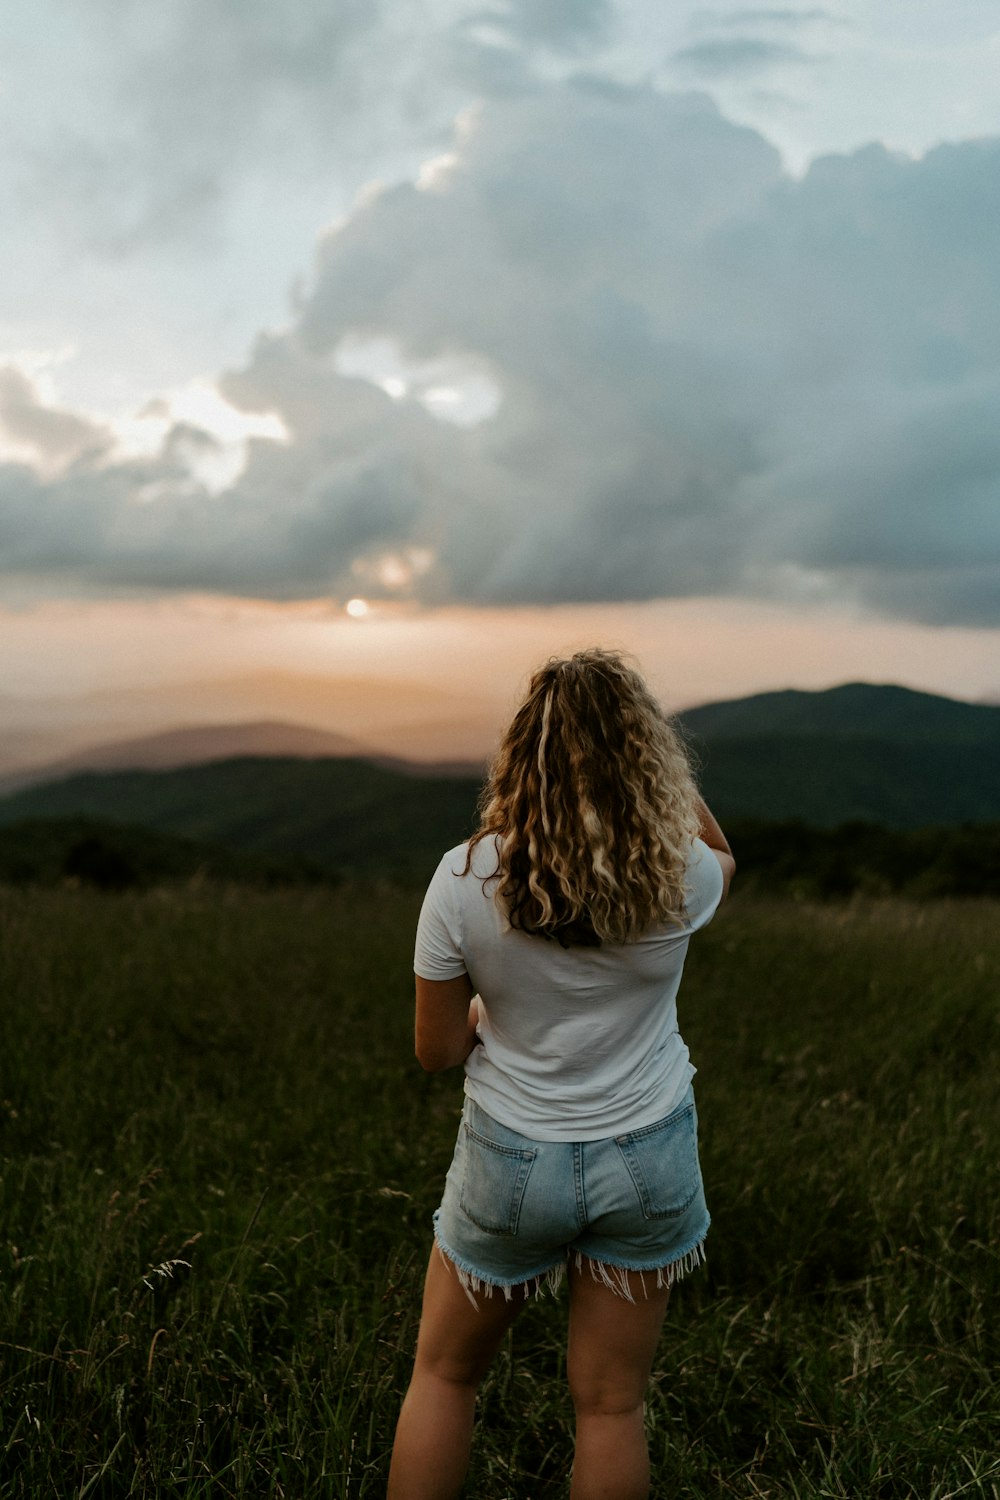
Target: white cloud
[196, 426]
[34, 429]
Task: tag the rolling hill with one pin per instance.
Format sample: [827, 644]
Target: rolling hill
[856, 710]
[349, 815]
[189, 745]
[878, 755]
[860, 752]
[198, 744]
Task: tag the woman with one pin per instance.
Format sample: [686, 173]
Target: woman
[549, 953]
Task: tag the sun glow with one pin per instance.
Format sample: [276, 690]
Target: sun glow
[357, 608]
[460, 389]
[209, 435]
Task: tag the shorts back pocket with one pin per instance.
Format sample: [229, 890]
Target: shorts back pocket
[662, 1160]
[493, 1182]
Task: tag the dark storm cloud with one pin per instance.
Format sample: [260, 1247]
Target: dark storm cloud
[712, 378]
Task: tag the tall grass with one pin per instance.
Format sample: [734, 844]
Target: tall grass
[219, 1162]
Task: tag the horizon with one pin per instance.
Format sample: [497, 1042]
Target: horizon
[399, 729]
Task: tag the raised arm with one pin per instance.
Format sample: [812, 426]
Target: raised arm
[713, 836]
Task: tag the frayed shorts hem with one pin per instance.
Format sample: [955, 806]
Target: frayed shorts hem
[612, 1273]
[615, 1274]
[549, 1278]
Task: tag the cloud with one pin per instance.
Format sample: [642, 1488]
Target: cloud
[564, 25]
[178, 104]
[31, 429]
[704, 377]
[748, 42]
[177, 107]
[741, 56]
[765, 16]
[769, 19]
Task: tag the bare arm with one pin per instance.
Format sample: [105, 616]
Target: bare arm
[713, 836]
[447, 1015]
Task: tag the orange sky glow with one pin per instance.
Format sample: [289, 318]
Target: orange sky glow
[446, 679]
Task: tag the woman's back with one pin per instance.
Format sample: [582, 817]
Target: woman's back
[578, 1042]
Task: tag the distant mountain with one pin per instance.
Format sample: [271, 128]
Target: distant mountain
[187, 746]
[860, 752]
[199, 744]
[857, 710]
[413, 719]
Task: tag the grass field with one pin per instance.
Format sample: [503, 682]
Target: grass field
[219, 1162]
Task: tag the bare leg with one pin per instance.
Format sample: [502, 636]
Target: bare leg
[455, 1346]
[611, 1347]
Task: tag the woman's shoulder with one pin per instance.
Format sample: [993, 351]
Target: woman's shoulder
[479, 859]
[482, 862]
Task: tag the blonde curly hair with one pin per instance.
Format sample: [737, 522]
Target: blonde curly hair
[592, 805]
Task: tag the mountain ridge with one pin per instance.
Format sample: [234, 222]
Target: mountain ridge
[851, 709]
[801, 756]
[201, 744]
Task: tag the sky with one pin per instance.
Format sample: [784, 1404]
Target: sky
[413, 340]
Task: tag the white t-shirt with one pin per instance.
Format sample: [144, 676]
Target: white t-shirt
[577, 1043]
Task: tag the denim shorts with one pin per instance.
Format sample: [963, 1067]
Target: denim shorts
[515, 1209]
